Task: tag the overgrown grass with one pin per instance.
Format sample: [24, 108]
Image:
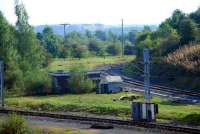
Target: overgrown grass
[90, 63]
[101, 104]
[15, 124]
[187, 57]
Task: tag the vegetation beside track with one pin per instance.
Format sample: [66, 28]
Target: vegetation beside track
[107, 104]
[16, 124]
[90, 62]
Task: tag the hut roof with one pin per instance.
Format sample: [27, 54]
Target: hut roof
[110, 78]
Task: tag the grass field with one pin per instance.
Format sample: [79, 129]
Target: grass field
[90, 63]
[104, 104]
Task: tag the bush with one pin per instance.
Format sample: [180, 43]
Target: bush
[37, 83]
[114, 49]
[15, 124]
[78, 81]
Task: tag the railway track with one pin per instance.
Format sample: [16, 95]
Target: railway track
[158, 88]
[140, 84]
[102, 120]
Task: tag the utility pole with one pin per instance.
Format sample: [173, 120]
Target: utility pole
[122, 37]
[147, 93]
[2, 82]
[65, 24]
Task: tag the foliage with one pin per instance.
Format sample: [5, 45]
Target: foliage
[129, 49]
[178, 30]
[95, 46]
[78, 82]
[50, 41]
[37, 82]
[114, 49]
[81, 45]
[79, 51]
[21, 51]
[188, 31]
[15, 124]
[100, 35]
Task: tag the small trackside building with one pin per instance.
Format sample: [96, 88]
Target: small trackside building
[110, 84]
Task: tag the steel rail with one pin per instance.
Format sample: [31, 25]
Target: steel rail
[103, 120]
[164, 89]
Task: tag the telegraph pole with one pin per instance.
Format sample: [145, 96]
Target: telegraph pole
[147, 93]
[65, 24]
[122, 37]
[2, 82]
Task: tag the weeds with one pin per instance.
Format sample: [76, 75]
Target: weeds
[15, 124]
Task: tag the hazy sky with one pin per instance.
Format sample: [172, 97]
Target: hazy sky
[98, 11]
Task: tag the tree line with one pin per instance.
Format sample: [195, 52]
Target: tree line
[178, 30]
[81, 45]
[174, 48]
[23, 55]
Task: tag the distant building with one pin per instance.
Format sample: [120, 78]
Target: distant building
[110, 84]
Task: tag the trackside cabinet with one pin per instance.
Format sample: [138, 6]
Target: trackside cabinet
[144, 111]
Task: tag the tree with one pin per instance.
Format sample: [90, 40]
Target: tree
[132, 36]
[51, 41]
[188, 31]
[32, 54]
[176, 18]
[196, 16]
[111, 36]
[129, 50]
[88, 34]
[100, 35]
[147, 29]
[79, 51]
[9, 54]
[114, 49]
[94, 46]
[79, 83]
[28, 45]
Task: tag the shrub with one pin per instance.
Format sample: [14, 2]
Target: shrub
[114, 49]
[15, 124]
[37, 83]
[78, 81]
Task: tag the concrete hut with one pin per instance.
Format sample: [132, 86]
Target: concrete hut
[110, 84]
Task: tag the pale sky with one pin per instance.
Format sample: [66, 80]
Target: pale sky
[98, 11]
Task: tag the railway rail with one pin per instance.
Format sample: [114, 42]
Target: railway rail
[163, 88]
[102, 120]
[159, 88]
[140, 84]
